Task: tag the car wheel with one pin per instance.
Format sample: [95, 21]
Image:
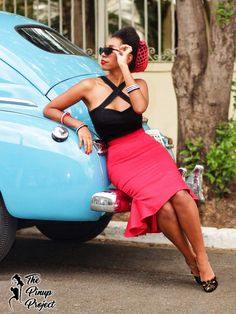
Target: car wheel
[8, 226]
[79, 231]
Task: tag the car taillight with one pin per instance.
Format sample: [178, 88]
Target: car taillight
[194, 180]
[167, 142]
[144, 120]
[100, 146]
[113, 201]
[183, 172]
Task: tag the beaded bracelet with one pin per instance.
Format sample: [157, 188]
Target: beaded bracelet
[80, 127]
[63, 117]
[131, 88]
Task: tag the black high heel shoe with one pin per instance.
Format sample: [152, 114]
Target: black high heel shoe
[197, 279]
[209, 285]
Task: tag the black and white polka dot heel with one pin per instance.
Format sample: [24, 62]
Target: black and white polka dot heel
[209, 285]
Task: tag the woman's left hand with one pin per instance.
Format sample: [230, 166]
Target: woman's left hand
[123, 54]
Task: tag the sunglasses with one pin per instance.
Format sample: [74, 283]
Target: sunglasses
[106, 50]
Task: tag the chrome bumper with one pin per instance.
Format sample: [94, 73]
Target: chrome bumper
[115, 201]
[104, 201]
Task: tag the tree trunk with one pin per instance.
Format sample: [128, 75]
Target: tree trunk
[203, 69]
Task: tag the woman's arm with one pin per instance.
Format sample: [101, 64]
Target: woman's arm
[138, 97]
[54, 111]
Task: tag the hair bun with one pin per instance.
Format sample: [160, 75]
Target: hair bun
[142, 57]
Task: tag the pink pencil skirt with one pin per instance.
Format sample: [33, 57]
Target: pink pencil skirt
[141, 167]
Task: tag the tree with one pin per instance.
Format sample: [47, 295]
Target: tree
[203, 68]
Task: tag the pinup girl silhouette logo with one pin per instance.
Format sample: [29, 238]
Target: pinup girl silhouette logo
[16, 289]
[34, 296]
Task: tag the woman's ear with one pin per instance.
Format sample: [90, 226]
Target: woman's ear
[130, 58]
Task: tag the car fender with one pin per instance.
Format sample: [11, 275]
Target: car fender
[44, 179]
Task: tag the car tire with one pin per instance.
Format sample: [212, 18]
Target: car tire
[79, 231]
[8, 226]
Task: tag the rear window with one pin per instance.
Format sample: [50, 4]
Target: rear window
[49, 40]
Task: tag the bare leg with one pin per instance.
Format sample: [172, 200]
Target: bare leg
[169, 225]
[188, 217]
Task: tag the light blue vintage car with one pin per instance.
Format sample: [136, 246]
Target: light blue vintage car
[45, 179]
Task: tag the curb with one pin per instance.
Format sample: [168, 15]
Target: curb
[224, 238]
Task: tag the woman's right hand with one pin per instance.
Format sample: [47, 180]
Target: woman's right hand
[85, 138]
[123, 55]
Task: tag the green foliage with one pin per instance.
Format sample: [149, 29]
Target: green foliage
[191, 155]
[220, 160]
[224, 12]
[234, 96]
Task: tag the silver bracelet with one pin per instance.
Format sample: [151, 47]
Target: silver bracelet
[132, 87]
[80, 127]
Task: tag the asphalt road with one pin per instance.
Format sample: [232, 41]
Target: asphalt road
[110, 277]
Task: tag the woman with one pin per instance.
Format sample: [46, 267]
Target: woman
[136, 163]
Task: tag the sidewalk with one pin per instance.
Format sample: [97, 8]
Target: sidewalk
[224, 238]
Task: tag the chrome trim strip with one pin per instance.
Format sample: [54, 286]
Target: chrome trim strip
[16, 101]
[22, 113]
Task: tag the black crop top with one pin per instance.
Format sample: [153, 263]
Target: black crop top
[110, 123]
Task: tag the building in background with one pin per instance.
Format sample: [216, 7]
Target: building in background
[88, 23]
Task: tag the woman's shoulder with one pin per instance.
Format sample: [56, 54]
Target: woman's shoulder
[141, 82]
[90, 89]
[90, 83]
